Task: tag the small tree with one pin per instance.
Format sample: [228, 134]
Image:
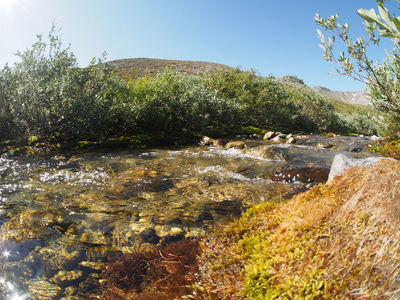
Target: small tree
[382, 79]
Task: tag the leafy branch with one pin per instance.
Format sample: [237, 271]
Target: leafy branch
[355, 62]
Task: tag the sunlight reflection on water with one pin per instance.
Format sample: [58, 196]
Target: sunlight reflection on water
[11, 291]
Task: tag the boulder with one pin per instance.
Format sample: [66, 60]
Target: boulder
[269, 135]
[219, 143]
[342, 162]
[206, 141]
[278, 139]
[291, 140]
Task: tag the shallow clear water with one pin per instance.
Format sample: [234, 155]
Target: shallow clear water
[62, 215]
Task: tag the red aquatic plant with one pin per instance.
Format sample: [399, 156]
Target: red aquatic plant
[160, 272]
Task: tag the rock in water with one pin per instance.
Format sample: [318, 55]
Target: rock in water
[342, 162]
[44, 290]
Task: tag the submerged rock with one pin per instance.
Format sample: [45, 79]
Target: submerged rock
[269, 153]
[43, 290]
[53, 259]
[305, 175]
[65, 278]
[236, 145]
[26, 225]
[324, 146]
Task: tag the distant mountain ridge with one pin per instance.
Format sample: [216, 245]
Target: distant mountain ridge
[133, 68]
[355, 97]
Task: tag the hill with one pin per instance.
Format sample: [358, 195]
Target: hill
[133, 68]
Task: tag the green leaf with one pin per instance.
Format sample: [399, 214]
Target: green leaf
[396, 22]
[386, 33]
[371, 16]
[386, 16]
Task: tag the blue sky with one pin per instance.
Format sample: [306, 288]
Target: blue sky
[273, 37]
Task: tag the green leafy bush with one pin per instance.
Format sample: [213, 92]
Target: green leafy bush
[47, 94]
[315, 112]
[263, 101]
[361, 123]
[172, 102]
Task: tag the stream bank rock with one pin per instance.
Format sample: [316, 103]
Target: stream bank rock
[279, 137]
[341, 162]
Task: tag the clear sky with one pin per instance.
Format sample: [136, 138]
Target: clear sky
[273, 37]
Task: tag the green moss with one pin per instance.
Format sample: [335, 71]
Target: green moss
[33, 140]
[375, 148]
[7, 143]
[313, 246]
[276, 245]
[54, 147]
[391, 149]
[86, 144]
[249, 130]
[21, 151]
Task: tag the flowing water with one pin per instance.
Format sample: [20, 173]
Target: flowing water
[62, 215]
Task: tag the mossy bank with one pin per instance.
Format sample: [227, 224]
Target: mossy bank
[337, 241]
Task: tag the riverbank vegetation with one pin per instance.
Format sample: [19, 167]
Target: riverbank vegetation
[47, 97]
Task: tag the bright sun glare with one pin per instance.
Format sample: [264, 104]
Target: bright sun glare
[6, 4]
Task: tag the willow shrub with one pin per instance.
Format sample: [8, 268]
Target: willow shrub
[172, 102]
[46, 94]
[268, 103]
[262, 101]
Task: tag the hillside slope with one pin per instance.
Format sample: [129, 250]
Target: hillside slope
[133, 68]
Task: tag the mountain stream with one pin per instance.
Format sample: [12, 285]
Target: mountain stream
[62, 215]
